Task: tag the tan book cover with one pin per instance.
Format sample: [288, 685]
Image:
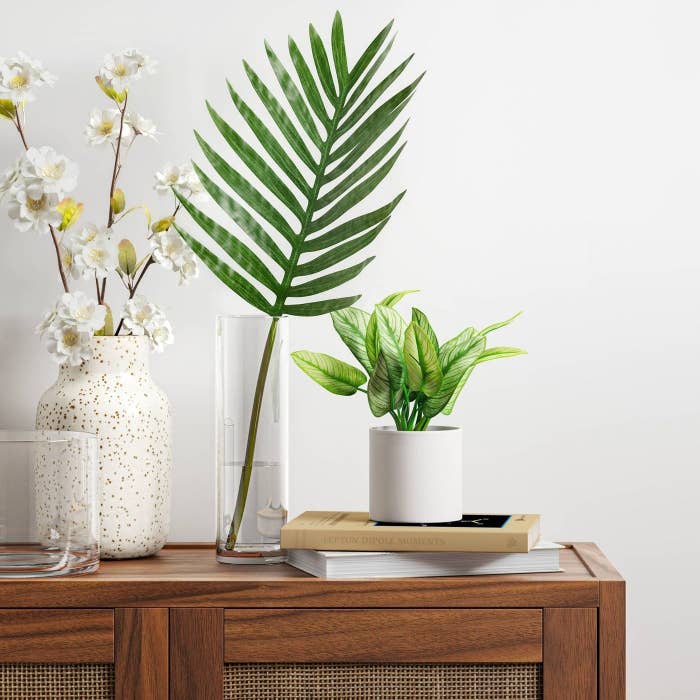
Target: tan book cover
[345, 531]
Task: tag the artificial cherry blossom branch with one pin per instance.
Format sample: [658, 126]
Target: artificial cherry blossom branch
[147, 264]
[54, 237]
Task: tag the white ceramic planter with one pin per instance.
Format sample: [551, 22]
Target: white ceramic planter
[114, 396]
[415, 477]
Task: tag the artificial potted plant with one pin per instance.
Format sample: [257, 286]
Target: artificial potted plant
[415, 467]
[296, 196]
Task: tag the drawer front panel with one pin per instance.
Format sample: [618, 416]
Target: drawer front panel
[383, 635]
[60, 636]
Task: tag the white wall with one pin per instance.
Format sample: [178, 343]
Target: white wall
[552, 166]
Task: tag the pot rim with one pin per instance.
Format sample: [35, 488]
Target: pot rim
[391, 429]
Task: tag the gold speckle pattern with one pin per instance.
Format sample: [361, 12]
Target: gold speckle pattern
[114, 396]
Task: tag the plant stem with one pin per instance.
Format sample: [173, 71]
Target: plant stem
[115, 174]
[54, 237]
[242, 495]
[147, 264]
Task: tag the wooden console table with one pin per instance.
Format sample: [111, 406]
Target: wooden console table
[181, 626]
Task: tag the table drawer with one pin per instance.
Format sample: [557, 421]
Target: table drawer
[60, 636]
[383, 635]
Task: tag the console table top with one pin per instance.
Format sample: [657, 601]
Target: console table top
[188, 575]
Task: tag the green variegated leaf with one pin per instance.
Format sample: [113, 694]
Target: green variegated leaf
[420, 319]
[351, 325]
[372, 339]
[390, 331]
[500, 324]
[395, 297]
[423, 372]
[335, 376]
[497, 353]
[372, 335]
[457, 356]
[458, 390]
[380, 397]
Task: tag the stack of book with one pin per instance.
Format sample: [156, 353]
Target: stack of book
[335, 544]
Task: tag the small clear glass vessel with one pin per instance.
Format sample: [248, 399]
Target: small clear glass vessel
[252, 360]
[49, 508]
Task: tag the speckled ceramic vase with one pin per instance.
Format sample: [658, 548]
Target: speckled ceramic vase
[114, 396]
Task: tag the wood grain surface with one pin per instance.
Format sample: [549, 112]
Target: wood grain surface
[141, 653]
[197, 653]
[389, 636]
[191, 577]
[611, 641]
[570, 654]
[59, 636]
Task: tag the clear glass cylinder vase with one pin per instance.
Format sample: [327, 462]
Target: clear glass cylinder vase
[252, 437]
[49, 506]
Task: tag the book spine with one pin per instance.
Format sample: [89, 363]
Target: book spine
[345, 540]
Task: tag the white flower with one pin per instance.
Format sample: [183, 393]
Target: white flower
[47, 321]
[87, 234]
[189, 269]
[169, 249]
[71, 248]
[168, 176]
[100, 253]
[67, 344]
[103, 127]
[191, 187]
[8, 178]
[142, 317]
[81, 312]
[18, 77]
[141, 126]
[54, 172]
[33, 208]
[118, 71]
[139, 315]
[181, 178]
[145, 63]
[161, 334]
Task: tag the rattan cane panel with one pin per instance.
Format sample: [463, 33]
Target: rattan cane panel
[382, 681]
[20, 681]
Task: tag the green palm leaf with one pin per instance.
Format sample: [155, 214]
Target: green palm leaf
[288, 210]
[330, 145]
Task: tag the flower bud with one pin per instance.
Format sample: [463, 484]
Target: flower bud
[127, 257]
[118, 201]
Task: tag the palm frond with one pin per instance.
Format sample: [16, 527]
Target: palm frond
[331, 118]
